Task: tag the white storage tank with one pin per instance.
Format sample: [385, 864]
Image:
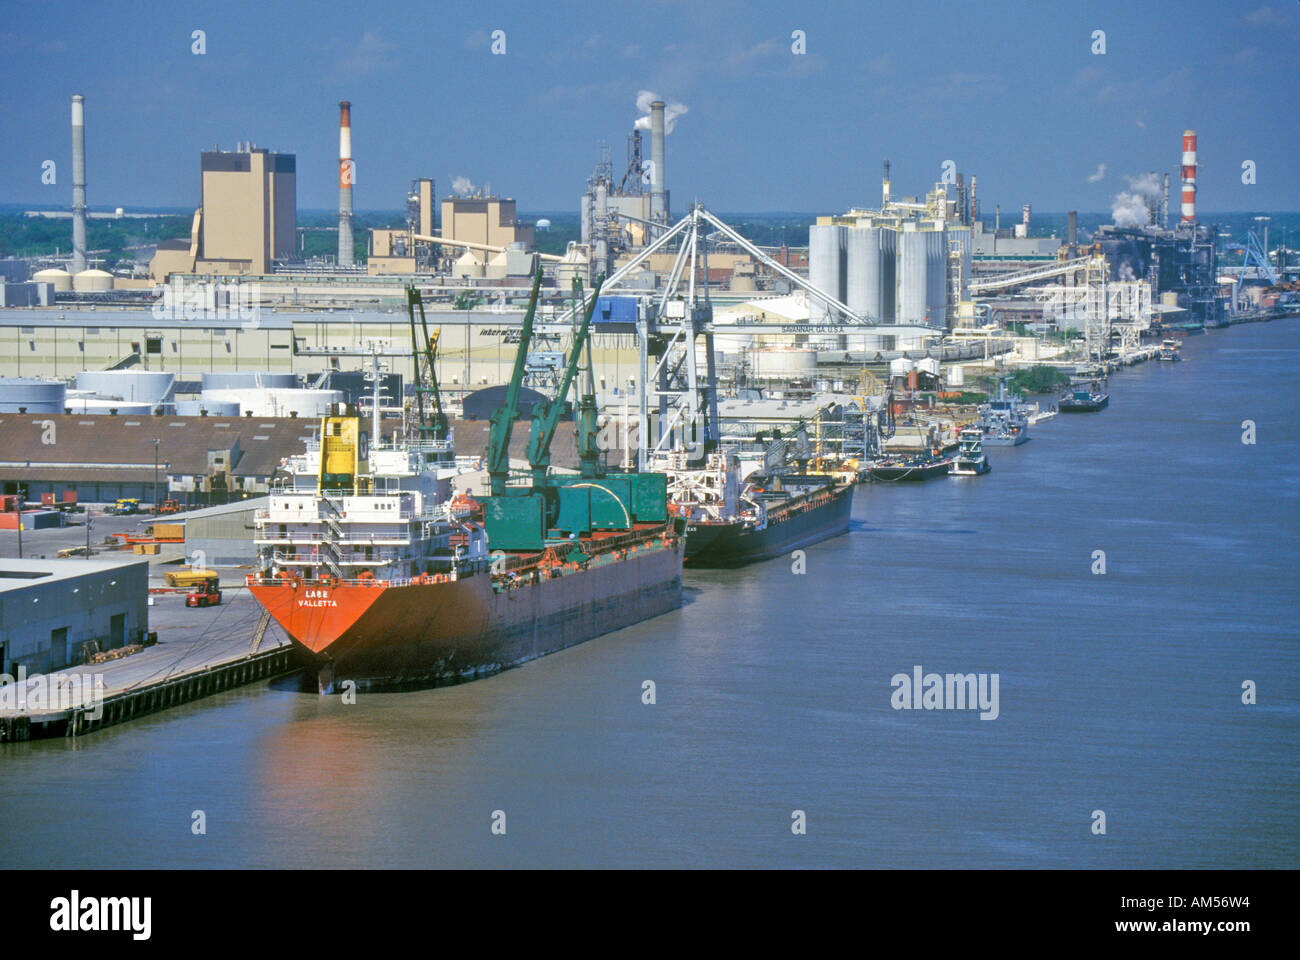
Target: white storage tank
[247, 379]
[92, 279]
[35, 396]
[870, 281]
[143, 385]
[214, 408]
[826, 252]
[276, 402]
[61, 279]
[104, 405]
[913, 278]
[901, 367]
[779, 362]
[936, 274]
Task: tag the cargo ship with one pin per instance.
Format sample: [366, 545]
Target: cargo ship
[383, 578]
[1004, 420]
[732, 522]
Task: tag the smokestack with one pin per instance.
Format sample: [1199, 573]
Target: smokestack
[974, 202]
[1024, 217]
[658, 196]
[997, 218]
[1189, 176]
[1164, 206]
[346, 178]
[78, 184]
[1073, 230]
[884, 186]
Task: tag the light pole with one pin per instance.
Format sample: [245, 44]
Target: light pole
[156, 441]
[21, 497]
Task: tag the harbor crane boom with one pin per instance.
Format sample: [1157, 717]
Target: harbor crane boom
[546, 415]
[504, 417]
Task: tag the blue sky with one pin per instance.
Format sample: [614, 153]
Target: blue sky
[1010, 91]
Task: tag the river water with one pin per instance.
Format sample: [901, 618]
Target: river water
[1118, 692]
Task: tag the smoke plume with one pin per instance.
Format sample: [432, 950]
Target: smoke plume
[462, 186]
[1131, 208]
[672, 110]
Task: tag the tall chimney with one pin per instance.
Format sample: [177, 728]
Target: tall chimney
[658, 197]
[1072, 234]
[974, 202]
[78, 183]
[884, 186]
[1164, 206]
[1189, 176]
[346, 178]
[1024, 217]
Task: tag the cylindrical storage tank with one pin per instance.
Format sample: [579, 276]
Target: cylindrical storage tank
[276, 402]
[901, 367]
[913, 283]
[869, 281]
[825, 254]
[143, 385]
[102, 405]
[928, 365]
[776, 363]
[214, 408]
[936, 276]
[36, 396]
[247, 379]
[956, 376]
[61, 279]
[92, 280]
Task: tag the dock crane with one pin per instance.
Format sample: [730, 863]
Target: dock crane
[437, 426]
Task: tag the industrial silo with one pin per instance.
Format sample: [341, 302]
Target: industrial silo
[936, 276]
[870, 274]
[33, 396]
[61, 279]
[913, 281]
[826, 243]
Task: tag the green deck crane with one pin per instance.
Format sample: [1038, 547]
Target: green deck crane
[547, 414]
[504, 417]
[437, 426]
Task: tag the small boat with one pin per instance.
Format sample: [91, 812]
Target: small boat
[914, 468]
[1169, 351]
[1004, 421]
[970, 460]
[1083, 401]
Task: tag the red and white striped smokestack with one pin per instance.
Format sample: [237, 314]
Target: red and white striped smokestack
[1189, 176]
[347, 176]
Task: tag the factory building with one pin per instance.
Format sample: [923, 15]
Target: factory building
[247, 218]
[396, 251]
[196, 460]
[484, 220]
[51, 609]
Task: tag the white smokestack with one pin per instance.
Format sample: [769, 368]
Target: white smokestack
[346, 179]
[78, 184]
[658, 198]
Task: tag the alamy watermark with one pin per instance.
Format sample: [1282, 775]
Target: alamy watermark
[951, 691]
[52, 691]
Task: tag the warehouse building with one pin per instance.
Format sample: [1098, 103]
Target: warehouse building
[51, 609]
[195, 460]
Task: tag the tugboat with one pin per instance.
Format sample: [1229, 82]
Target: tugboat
[970, 460]
[1169, 351]
[1083, 401]
[1003, 421]
[914, 468]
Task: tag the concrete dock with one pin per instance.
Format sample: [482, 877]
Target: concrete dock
[200, 651]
